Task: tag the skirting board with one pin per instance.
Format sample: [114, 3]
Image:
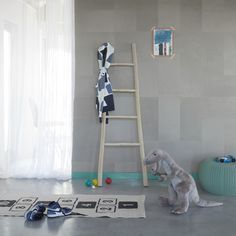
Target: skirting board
[119, 175]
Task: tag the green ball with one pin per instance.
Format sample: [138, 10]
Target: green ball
[88, 183]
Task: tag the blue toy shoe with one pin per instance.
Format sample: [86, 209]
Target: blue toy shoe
[226, 159]
[36, 213]
[55, 210]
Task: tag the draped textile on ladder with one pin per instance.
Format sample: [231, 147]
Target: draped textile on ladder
[104, 99]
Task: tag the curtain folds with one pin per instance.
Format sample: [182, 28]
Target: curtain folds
[38, 104]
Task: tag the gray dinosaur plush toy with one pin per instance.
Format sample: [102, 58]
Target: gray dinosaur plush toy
[182, 187]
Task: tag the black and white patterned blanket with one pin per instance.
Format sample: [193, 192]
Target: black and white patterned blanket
[104, 96]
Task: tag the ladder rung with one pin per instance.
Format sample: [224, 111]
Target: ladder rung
[124, 90]
[122, 64]
[121, 117]
[122, 144]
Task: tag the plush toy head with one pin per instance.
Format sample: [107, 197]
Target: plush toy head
[154, 158]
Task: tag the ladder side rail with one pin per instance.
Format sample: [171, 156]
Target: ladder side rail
[139, 120]
[101, 152]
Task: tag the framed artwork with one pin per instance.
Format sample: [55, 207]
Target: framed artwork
[162, 41]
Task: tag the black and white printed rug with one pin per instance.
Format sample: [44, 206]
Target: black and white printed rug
[83, 205]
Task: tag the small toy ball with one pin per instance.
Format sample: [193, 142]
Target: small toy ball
[108, 180]
[95, 182]
[88, 183]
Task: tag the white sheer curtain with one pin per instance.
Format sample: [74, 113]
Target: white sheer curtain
[36, 88]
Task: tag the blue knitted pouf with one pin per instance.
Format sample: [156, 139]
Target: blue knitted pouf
[218, 178]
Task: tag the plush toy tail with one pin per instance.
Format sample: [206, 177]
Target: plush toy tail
[204, 203]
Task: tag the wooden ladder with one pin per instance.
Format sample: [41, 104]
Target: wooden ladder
[137, 117]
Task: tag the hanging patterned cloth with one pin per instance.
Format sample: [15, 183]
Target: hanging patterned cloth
[104, 99]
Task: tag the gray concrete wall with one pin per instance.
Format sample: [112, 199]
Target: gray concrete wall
[188, 103]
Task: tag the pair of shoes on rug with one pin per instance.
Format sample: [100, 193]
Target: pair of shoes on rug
[36, 213]
[53, 210]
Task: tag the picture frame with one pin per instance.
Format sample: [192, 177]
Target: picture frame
[163, 42]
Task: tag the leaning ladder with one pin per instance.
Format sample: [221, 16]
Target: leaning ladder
[137, 117]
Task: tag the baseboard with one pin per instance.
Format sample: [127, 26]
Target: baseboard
[119, 175]
[113, 175]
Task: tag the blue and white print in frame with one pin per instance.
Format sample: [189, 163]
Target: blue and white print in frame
[163, 42]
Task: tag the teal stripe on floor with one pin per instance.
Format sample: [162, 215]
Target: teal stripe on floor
[118, 175]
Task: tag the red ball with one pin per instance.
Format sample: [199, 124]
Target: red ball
[108, 180]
